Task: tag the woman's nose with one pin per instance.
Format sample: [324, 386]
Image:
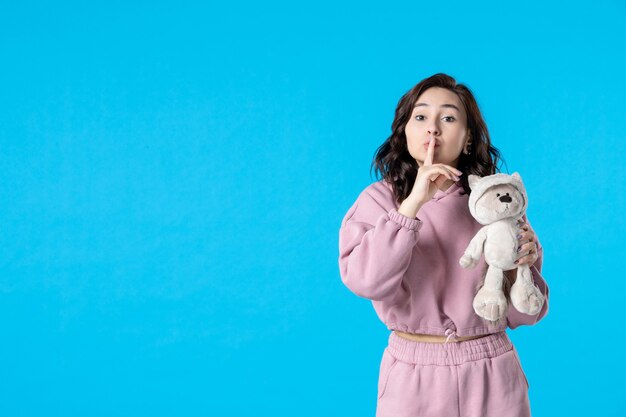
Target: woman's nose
[433, 129]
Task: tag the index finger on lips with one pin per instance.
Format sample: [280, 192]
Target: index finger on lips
[430, 152]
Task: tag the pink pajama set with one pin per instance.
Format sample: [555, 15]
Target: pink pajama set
[409, 268]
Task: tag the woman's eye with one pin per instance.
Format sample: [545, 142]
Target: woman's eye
[417, 117]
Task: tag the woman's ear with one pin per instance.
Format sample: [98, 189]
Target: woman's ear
[469, 139]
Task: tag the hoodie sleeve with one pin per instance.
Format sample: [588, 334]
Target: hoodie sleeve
[514, 317]
[375, 247]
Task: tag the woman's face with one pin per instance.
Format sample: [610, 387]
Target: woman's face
[438, 113]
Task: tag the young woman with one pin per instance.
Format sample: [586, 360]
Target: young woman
[400, 245]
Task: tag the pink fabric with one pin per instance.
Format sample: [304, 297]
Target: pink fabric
[409, 267]
[474, 378]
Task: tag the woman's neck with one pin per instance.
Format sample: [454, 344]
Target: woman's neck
[446, 185]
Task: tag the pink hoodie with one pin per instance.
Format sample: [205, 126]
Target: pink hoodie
[409, 267]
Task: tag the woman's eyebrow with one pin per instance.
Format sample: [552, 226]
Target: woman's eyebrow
[443, 105]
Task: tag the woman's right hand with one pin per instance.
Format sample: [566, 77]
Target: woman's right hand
[430, 176]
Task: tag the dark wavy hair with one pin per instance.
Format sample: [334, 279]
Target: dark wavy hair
[393, 162]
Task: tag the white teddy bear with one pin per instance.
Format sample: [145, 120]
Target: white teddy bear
[497, 202]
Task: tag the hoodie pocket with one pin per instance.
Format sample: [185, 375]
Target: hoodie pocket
[386, 365]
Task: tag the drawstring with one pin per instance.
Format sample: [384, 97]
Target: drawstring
[450, 333]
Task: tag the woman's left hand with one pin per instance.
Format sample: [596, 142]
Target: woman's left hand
[527, 252]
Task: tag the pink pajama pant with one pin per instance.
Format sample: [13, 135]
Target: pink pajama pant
[474, 378]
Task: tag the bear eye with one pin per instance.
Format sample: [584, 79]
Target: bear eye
[497, 194]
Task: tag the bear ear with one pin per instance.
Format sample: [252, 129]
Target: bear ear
[516, 176]
[472, 180]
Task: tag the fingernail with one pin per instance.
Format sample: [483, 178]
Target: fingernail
[519, 236]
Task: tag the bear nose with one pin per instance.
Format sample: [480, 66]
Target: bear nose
[506, 199]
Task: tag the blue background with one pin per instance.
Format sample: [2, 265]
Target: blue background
[173, 177]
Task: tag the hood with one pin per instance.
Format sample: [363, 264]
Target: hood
[479, 186]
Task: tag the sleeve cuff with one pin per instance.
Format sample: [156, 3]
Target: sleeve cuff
[404, 221]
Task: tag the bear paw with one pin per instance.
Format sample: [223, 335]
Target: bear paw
[526, 299]
[490, 304]
[467, 261]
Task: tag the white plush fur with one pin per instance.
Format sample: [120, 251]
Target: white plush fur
[498, 201]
